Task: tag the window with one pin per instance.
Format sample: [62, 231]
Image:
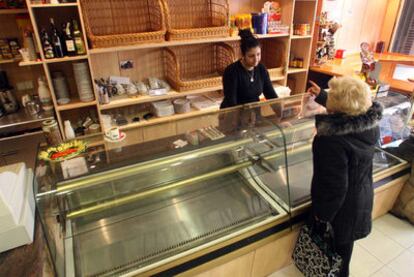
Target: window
[403, 40]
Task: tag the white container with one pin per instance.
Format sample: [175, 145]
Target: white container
[163, 108]
[83, 81]
[44, 95]
[61, 88]
[69, 132]
[182, 105]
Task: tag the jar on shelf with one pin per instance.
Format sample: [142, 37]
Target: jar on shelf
[51, 131]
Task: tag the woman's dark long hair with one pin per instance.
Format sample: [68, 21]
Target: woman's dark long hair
[248, 40]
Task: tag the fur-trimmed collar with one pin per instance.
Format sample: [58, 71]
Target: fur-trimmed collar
[341, 124]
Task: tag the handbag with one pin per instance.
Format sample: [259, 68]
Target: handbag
[314, 253]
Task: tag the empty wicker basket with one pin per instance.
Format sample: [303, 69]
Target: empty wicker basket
[197, 66]
[273, 56]
[123, 22]
[192, 19]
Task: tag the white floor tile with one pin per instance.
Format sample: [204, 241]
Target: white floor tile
[289, 271]
[381, 246]
[385, 272]
[363, 263]
[399, 230]
[412, 249]
[403, 265]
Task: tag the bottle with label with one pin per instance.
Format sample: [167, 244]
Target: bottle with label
[69, 41]
[44, 95]
[47, 45]
[56, 41]
[80, 45]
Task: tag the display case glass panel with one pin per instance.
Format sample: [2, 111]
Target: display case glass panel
[108, 217]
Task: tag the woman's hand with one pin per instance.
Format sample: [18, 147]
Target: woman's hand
[314, 89]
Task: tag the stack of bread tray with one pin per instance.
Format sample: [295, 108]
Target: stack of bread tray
[17, 207]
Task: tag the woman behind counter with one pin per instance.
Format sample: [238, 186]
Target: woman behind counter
[343, 150]
[246, 79]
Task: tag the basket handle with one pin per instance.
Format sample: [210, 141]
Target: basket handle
[166, 12]
[174, 68]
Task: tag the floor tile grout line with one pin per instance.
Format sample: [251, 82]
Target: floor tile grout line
[372, 254]
[391, 237]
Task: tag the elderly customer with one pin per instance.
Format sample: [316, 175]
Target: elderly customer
[343, 150]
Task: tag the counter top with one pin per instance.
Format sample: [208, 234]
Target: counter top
[351, 65]
[22, 121]
[28, 260]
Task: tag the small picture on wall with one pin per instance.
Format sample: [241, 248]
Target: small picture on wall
[128, 64]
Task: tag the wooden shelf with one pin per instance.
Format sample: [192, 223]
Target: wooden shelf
[13, 11]
[54, 5]
[301, 37]
[176, 43]
[75, 105]
[66, 59]
[158, 120]
[123, 101]
[296, 70]
[30, 63]
[9, 61]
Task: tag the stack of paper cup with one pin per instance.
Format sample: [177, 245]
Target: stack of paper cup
[83, 81]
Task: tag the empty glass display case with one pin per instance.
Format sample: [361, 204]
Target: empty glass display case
[134, 214]
[135, 208]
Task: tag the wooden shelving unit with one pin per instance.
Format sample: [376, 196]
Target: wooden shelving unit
[104, 62]
[54, 5]
[176, 43]
[66, 59]
[75, 104]
[13, 11]
[297, 70]
[166, 119]
[30, 63]
[9, 61]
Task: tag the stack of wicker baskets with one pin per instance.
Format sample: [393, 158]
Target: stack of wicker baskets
[127, 22]
[123, 22]
[197, 66]
[192, 19]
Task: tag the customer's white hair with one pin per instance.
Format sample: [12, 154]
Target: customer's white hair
[348, 95]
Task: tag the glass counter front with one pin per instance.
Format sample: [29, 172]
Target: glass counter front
[132, 209]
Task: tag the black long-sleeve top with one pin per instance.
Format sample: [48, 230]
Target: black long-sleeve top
[238, 88]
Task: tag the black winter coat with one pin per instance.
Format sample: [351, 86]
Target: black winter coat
[342, 189]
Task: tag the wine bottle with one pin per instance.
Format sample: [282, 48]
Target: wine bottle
[56, 41]
[47, 45]
[80, 46]
[69, 41]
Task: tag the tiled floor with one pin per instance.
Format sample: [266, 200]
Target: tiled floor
[387, 252]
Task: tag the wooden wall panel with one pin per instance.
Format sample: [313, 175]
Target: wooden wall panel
[159, 131]
[104, 65]
[240, 267]
[384, 199]
[274, 256]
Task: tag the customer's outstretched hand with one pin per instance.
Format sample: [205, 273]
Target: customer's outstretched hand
[314, 89]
